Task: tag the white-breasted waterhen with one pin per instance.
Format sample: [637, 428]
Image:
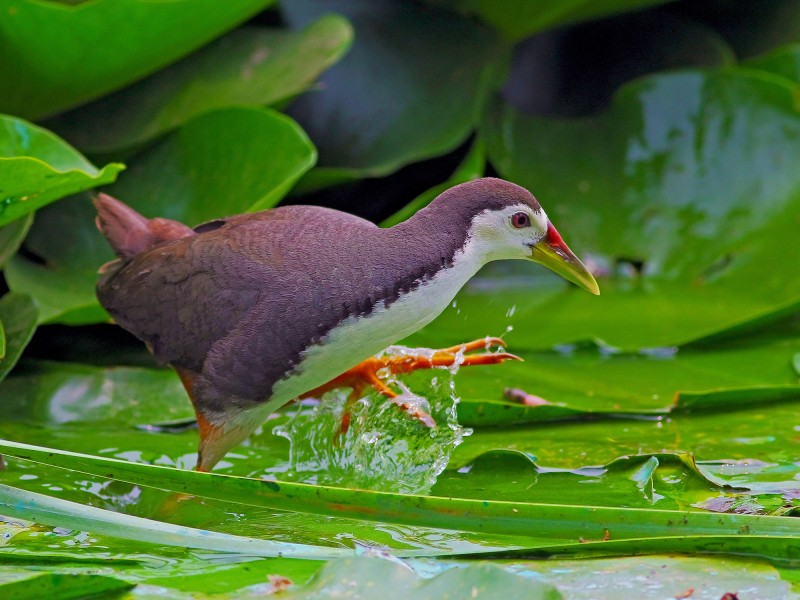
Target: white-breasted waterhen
[259, 309]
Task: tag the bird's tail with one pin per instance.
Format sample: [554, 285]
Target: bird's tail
[129, 233]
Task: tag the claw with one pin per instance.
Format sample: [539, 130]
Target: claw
[365, 374]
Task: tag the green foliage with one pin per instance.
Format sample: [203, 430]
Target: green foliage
[660, 137]
[37, 168]
[249, 66]
[425, 105]
[96, 47]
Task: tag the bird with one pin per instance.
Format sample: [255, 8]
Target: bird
[256, 310]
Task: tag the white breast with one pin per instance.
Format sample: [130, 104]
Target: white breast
[355, 339]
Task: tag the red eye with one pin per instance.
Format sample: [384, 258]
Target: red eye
[520, 220]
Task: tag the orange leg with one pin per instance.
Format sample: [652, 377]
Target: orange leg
[214, 440]
[366, 373]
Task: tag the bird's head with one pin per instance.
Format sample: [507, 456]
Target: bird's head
[504, 220]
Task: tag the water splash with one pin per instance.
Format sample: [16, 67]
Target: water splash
[384, 447]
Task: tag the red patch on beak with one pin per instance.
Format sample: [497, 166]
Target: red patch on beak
[554, 238]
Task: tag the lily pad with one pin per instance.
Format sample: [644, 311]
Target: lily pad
[366, 123]
[136, 36]
[36, 168]
[18, 317]
[249, 66]
[654, 196]
[220, 163]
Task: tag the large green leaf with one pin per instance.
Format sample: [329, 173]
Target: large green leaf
[499, 517]
[249, 66]
[391, 102]
[18, 317]
[101, 46]
[36, 168]
[220, 163]
[679, 197]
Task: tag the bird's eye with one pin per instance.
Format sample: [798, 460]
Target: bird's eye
[520, 220]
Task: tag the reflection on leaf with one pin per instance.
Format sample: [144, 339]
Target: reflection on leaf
[650, 193]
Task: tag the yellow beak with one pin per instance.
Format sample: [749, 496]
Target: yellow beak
[553, 253]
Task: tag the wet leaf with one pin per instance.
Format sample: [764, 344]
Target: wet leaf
[249, 66]
[650, 193]
[37, 167]
[220, 163]
[57, 512]
[137, 37]
[486, 516]
[60, 393]
[366, 124]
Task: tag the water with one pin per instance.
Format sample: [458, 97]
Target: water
[385, 447]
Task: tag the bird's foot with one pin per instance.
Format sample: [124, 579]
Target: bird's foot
[374, 372]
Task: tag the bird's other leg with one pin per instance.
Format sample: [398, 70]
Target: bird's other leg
[367, 373]
[215, 440]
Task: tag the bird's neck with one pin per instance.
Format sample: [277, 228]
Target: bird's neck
[424, 249]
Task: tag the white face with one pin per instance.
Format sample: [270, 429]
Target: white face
[507, 233]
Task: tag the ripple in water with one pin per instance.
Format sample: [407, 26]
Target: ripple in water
[384, 448]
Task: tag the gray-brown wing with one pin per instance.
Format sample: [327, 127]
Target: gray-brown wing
[184, 295]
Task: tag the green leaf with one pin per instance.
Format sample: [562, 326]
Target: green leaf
[221, 163]
[364, 577]
[136, 37]
[366, 123]
[63, 586]
[36, 168]
[249, 66]
[655, 195]
[517, 19]
[56, 512]
[590, 378]
[11, 237]
[18, 316]
[499, 517]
